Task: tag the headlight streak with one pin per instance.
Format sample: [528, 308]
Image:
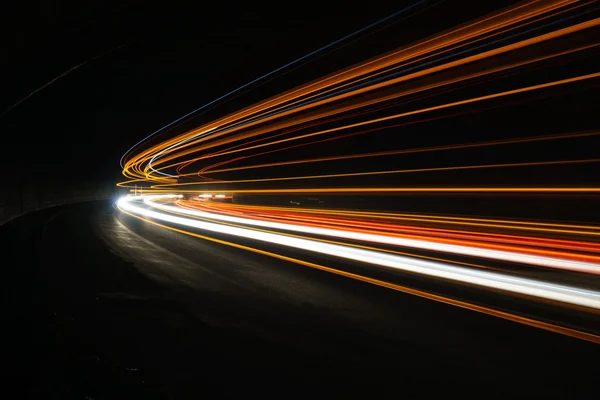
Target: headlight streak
[442, 299]
[486, 279]
[397, 241]
[341, 221]
[361, 246]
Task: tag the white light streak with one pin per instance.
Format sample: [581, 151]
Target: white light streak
[493, 280]
[544, 261]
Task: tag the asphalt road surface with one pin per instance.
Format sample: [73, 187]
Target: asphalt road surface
[103, 305]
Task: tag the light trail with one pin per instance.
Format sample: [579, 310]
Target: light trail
[390, 227]
[484, 26]
[582, 26]
[406, 151]
[350, 190]
[388, 118]
[383, 129]
[446, 246]
[306, 56]
[402, 171]
[509, 224]
[442, 299]
[486, 279]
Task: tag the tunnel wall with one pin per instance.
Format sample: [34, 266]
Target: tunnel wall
[18, 198]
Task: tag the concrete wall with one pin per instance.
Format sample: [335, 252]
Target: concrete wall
[20, 197]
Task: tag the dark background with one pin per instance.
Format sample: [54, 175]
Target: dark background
[125, 70]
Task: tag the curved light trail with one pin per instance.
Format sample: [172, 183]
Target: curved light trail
[289, 152]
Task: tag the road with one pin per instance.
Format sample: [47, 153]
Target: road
[136, 308]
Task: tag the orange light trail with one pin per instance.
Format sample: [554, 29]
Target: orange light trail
[430, 296]
[383, 131]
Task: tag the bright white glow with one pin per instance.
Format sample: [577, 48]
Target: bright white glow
[220, 196]
[487, 279]
[502, 255]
